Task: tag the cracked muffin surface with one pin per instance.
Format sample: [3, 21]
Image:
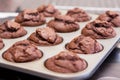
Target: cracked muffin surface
[48, 10]
[29, 17]
[63, 24]
[110, 16]
[84, 45]
[10, 29]
[45, 37]
[22, 51]
[99, 30]
[65, 62]
[78, 14]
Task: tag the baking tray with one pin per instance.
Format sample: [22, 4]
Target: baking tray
[37, 67]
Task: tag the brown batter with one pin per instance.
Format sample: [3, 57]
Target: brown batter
[112, 17]
[63, 23]
[45, 37]
[99, 30]
[66, 62]
[79, 15]
[84, 45]
[22, 51]
[48, 10]
[30, 17]
[10, 29]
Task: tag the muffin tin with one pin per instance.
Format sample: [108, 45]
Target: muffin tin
[37, 67]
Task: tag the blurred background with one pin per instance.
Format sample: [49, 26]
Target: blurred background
[96, 6]
[109, 70]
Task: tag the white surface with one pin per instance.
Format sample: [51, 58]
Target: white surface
[108, 78]
[37, 67]
[89, 8]
[10, 14]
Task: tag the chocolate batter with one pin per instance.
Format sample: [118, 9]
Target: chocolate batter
[112, 17]
[10, 29]
[45, 37]
[66, 62]
[79, 15]
[48, 10]
[84, 45]
[63, 24]
[99, 30]
[30, 17]
[1, 44]
[22, 51]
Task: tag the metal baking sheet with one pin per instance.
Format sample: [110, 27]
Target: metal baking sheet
[37, 67]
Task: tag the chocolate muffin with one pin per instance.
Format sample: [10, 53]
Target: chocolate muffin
[10, 29]
[66, 62]
[30, 18]
[45, 37]
[84, 45]
[22, 51]
[1, 44]
[112, 17]
[79, 15]
[63, 24]
[48, 10]
[99, 30]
